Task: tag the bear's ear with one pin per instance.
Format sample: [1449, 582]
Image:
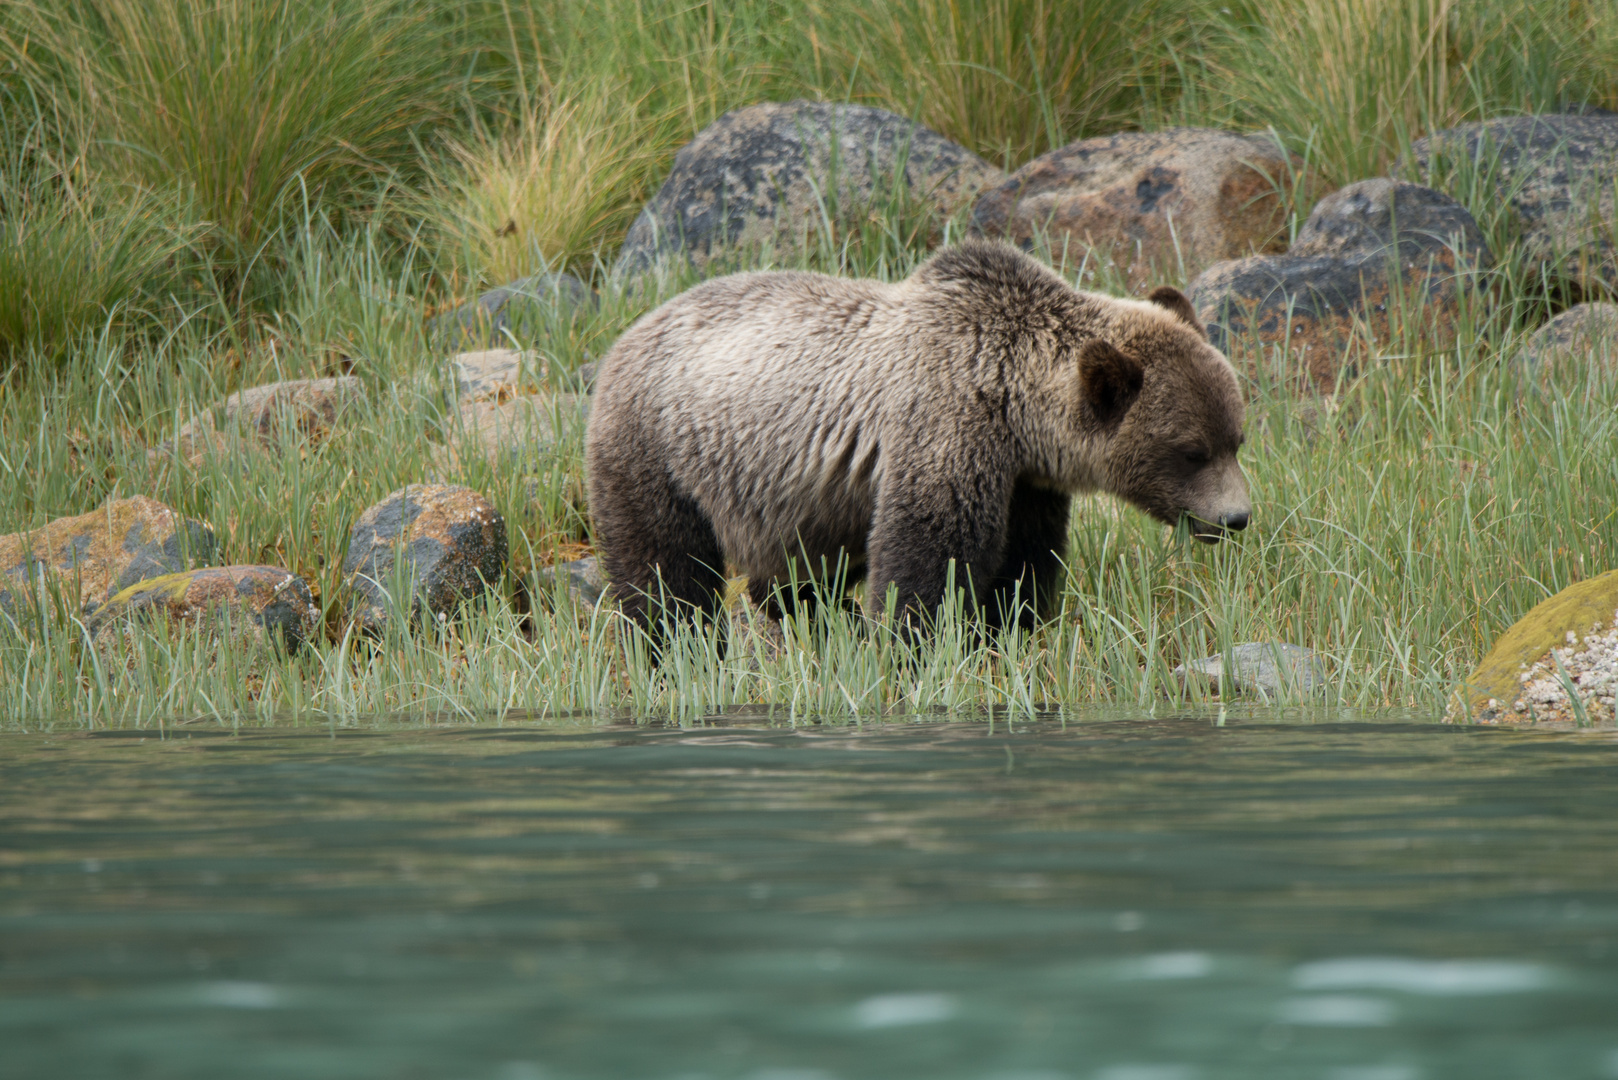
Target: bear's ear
[1175, 301]
[1111, 380]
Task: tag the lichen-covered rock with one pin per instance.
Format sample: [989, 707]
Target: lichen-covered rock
[1557, 174]
[1369, 253]
[1583, 336]
[261, 416]
[437, 544]
[1149, 201]
[522, 310]
[1578, 615]
[259, 603]
[1263, 667]
[768, 172]
[92, 556]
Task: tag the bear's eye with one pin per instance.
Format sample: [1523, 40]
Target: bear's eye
[1196, 456]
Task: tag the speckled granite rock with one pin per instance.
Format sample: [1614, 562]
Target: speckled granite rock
[1149, 199]
[1581, 336]
[759, 174]
[197, 440]
[523, 310]
[1365, 250]
[1556, 172]
[1264, 667]
[260, 603]
[443, 544]
[93, 556]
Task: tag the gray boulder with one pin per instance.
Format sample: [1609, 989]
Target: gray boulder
[1149, 201]
[261, 416]
[763, 173]
[1557, 175]
[1366, 253]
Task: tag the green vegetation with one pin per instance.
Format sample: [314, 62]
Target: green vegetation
[196, 198]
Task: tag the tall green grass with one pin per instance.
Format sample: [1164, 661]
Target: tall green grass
[78, 254]
[246, 107]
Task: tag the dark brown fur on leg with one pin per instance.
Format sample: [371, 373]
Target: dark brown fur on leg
[934, 530]
[1026, 589]
[659, 548]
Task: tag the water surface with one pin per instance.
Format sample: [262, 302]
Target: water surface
[1143, 900]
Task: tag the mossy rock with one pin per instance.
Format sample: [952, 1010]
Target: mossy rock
[1577, 608]
[265, 603]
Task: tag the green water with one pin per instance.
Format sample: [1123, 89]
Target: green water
[1142, 900]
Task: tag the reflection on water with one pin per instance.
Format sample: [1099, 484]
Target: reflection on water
[1144, 900]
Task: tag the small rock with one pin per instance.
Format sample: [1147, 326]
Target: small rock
[522, 310]
[500, 374]
[1263, 667]
[1581, 336]
[762, 174]
[1557, 174]
[584, 377]
[93, 556]
[1149, 201]
[581, 579]
[311, 406]
[1492, 691]
[269, 603]
[495, 374]
[196, 440]
[522, 428]
[443, 544]
[1365, 250]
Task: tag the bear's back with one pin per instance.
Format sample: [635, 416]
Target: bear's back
[767, 396]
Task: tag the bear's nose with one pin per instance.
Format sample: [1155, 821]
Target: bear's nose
[1234, 521]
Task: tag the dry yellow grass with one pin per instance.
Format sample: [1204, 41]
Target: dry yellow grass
[544, 189]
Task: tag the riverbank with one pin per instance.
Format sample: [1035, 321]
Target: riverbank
[1405, 516]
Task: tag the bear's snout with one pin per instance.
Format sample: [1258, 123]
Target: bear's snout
[1223, 510]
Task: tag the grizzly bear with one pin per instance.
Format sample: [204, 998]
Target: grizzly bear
[932, 427]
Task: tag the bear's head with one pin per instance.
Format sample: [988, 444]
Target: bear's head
[1171, 412]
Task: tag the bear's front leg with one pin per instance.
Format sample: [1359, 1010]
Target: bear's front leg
[1028, 586]
[927, 516]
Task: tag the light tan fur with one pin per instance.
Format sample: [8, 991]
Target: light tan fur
[794, 411]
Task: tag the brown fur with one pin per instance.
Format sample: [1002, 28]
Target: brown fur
[766, 417]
